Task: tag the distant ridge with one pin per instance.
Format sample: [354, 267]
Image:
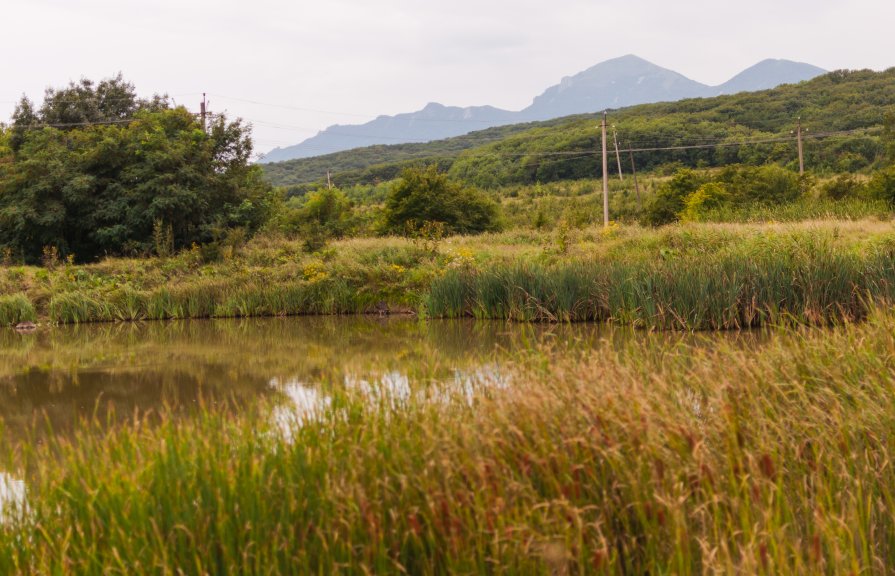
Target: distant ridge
[616, 83]
[769, 74]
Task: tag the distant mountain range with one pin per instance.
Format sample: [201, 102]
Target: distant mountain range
[616, 83]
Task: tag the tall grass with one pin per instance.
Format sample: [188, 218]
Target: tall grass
[807, 280]
[77, 307]
[693, 276]
[659, 459]
[15, 308]
[210, 299]
[802, 209]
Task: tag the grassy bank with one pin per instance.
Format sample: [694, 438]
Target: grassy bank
[659, 458]
[692, 276]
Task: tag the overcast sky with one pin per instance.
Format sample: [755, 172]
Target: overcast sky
[346, 61]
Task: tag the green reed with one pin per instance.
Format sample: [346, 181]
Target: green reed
[15, 308]
[806, 281]
[659, 458]
[692, 276]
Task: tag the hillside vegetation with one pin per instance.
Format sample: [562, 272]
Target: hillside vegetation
[852, 101]
[384, 162]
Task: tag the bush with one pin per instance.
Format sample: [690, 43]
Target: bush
[709, 196]
[425, 195]
[325, 214]
[330, 209]
[669, 200]
[769, 184]
[843, 186]
[882, 186]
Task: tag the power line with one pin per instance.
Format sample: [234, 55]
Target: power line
[575, 154]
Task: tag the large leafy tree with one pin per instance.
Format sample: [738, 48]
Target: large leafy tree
[100, 188]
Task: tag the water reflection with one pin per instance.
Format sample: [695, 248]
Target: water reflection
[12, 498]
[65, 374]
[304, 403]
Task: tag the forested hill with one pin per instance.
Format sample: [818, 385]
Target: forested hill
[842, 101]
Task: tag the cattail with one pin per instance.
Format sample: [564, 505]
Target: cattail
[414, 524]
[767, 466]
[815, 548]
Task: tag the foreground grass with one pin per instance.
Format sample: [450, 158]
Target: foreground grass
[660, 458]
[693, 276]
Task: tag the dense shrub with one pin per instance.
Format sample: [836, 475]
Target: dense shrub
[709, 196]
[670, 198]
[770, 184]
[689, 194]
[842, 187]
[318, 217]
[425, 195]
[882, 186]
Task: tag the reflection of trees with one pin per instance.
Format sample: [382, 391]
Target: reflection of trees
[63, 399]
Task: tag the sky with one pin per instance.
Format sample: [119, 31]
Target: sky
[293, 68]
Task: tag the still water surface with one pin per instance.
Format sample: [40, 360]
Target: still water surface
[55, 379]
[62, 375]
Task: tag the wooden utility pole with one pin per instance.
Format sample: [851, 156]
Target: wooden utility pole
[801, 155]
[634, 173]
[203, 107]
[605, 177]
[329, 180]
[618, 158]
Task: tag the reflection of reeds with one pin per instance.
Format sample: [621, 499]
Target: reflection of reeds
[660, 458]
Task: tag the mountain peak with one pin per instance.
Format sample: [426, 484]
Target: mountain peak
[769, 73]
[624, 81]
[616, 83]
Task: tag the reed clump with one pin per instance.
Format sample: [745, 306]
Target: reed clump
[802, 279]
[15, 308]
[659, 458]
[692, 276]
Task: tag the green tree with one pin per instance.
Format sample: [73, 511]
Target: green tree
[424, 195]
[24, 118]
[98, 189]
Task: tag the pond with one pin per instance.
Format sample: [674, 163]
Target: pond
[55, 380]
[65, 374]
